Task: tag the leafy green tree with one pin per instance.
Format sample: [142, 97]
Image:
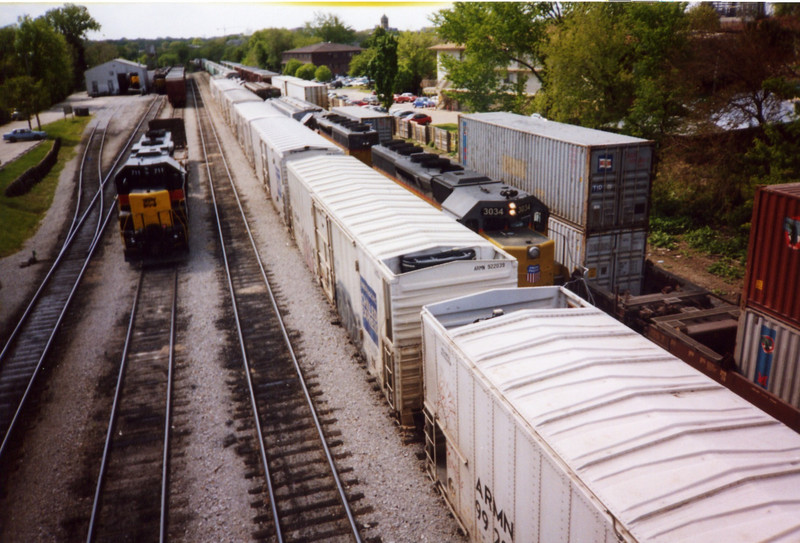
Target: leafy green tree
[359, 64]
[415, 60]
[73, 22]
[609, 64]
[323, 74]
[44, 55]
[264, 47]
[292, 66]
[329, 28]
[494, 35]
[306, 71]
[382, 67]
[168, 59]
[101, 51]
[29, 95]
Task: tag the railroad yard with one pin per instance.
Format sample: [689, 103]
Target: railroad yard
[215, 489]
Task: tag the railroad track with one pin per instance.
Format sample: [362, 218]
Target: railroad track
[131, 501]
[23, 356]
[307, 499]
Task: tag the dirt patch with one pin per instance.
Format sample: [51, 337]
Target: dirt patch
[693, 265]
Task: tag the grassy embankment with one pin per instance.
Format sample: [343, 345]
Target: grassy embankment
[20, 216]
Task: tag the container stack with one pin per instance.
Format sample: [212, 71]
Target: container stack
[310, 91]
[596, 184]
[768, 338]
[383, 123]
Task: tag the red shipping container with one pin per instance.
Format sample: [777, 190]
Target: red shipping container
[772, 280]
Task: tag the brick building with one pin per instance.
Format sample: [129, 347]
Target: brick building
[333, 55]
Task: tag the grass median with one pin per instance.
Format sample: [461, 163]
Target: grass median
[20, 216]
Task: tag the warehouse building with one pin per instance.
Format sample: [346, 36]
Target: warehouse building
[118, 76]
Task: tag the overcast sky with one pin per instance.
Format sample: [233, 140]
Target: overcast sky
[204, 19]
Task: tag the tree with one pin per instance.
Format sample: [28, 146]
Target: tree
[613, 64]
[29, 96]
[306, 71]
[292, 66]
[382, 67]
[494, 35]
[323, 74]
[329, 28]
[359, 64]
[265, 47]
[73, 22]
[43, 54]
[415, 60]
[102, 51]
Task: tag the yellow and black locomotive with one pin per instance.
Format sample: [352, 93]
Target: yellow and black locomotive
[151, 190]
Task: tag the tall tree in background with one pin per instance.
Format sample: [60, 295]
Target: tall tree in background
[264, 47]
[328, 27]
[495, 35]
[415, 60]
[43, 54]
[73, 22]
[383, 66]
[614, 64]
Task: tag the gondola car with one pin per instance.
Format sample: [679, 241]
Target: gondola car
[151, 190]
[508, 217]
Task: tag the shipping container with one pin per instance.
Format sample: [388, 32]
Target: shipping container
[310, 91]
[220, 85]
[383, 123]
[768, 354]
[229, 98]
[547, 420]
[614, 260]
[598, 181]
[380, 253]
[243, 115]
[773, 260]
[280, 141]
[175, 82]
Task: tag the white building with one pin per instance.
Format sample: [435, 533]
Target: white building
[118, 76]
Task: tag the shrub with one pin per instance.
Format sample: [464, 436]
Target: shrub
[323, 73]
[306, 71]
[291, 67]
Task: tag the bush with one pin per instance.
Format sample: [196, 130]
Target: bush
[323, 74]
[291, 67]
[306, 71]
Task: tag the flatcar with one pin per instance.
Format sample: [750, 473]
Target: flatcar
[510, 218]
[151, 190]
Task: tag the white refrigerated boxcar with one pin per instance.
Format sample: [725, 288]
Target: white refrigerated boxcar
[547, 420]
[380, 254]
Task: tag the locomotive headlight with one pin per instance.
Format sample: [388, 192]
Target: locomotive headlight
[533, 252]
[512, 209]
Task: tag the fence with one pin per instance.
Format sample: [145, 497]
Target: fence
[441, 139]
[25, 182]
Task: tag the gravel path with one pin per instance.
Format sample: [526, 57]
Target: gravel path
[45, 495]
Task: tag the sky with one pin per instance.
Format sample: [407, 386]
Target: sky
[205, 19]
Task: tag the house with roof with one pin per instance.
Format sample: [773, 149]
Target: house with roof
[118, 76]
[335, 56]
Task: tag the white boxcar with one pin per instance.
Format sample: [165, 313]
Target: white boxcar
[613, 259]
[768, 353]
[219, 85]
[229, 98]
[244, 114]
[282, 140]
[596, 180]
[310, 91]
[549, 421]
[380, 254]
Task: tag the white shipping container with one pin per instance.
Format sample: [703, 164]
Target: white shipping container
[310, 91]
[768, 354]
[282, 140]
[232, 97]
[614, 260]
[383, 123]
[596, 180]
[355, 227]
[243, 116]
[555, 422]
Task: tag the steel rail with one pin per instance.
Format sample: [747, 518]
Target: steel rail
[162, 535]
[287, 341]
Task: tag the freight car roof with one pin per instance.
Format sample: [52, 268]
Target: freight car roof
[673, 455]
[551, 129]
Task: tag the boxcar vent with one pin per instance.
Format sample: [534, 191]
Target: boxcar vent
[419, 261]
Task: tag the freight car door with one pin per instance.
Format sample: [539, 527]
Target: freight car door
[324, 253]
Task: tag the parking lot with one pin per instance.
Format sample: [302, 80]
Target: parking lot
[439, 116]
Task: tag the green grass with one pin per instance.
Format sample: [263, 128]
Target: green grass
[450, 127]
[20, 216]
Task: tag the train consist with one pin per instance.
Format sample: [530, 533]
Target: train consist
[624, 442]
[548, 420]
[171, 81]
[508, 217]
[151, 191]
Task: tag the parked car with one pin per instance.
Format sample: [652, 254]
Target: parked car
[405, 97]
[419, 118]
[422, 102]
[403, 113]
[17, 115]
[24, 134]
[371, 100]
